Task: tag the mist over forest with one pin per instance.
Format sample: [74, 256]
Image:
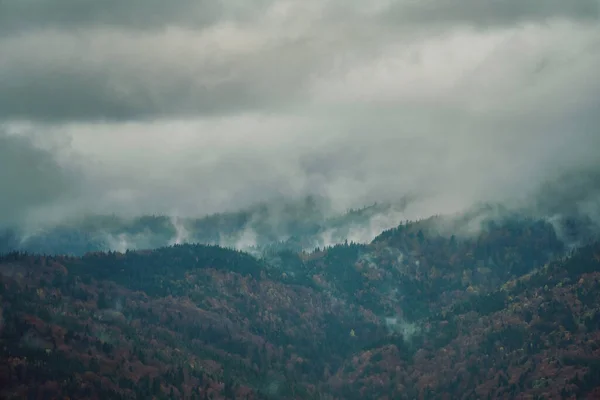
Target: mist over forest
[299, 199]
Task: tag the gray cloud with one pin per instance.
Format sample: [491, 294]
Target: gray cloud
[111, 75]
[188, 110]
[156, 14]
[30, 178]
[491, 13]
[69, 60]
[133, 14]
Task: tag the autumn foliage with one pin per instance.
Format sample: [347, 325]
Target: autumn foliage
[416, 314]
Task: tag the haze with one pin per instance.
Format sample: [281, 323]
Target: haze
[193, 107]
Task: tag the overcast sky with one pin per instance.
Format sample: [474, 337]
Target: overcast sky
[193, 106]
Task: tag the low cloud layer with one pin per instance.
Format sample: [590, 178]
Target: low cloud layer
[199, 107]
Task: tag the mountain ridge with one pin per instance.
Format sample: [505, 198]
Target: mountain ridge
[369, 320]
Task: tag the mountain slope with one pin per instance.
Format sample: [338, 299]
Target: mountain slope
[415, 314]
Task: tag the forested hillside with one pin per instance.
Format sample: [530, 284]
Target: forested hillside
[417, 313]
